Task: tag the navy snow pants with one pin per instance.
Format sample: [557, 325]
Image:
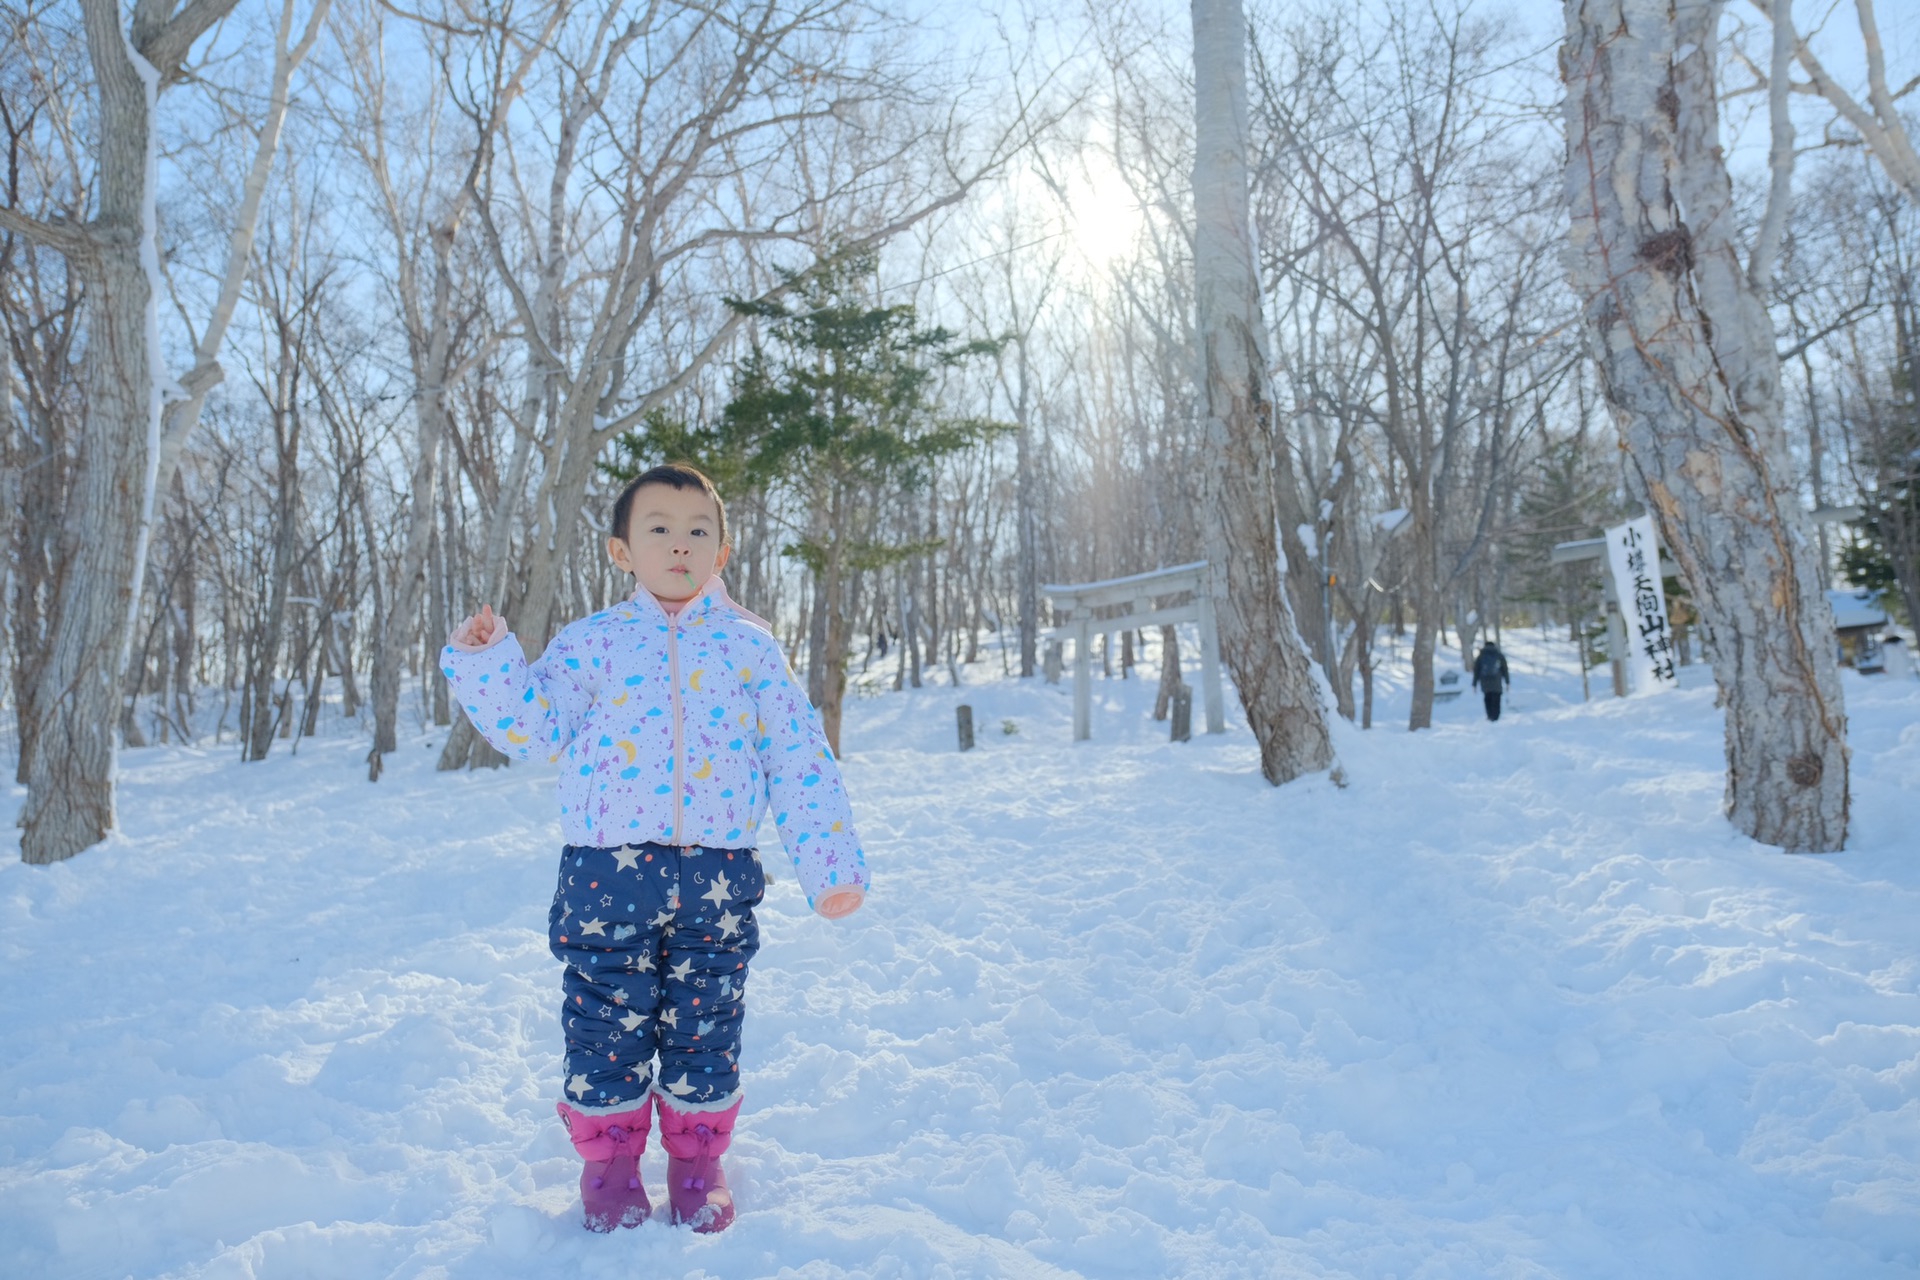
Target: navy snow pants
[656, 940]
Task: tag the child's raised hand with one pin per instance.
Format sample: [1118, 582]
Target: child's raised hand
[841, 902]
[481, 631]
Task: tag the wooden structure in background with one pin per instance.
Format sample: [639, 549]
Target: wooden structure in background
[1858, 621]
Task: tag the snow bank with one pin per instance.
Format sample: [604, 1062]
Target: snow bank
[1516, 1002]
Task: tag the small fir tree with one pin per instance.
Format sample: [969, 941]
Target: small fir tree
[837, 407]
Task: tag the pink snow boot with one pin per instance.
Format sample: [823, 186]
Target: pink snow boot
[610, 1189]
[696, 1184]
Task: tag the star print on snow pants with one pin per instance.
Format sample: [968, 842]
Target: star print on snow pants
[656, 940]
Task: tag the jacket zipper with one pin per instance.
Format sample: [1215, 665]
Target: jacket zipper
[679, 729]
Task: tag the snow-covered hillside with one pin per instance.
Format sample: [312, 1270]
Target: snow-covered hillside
[1515, 1002]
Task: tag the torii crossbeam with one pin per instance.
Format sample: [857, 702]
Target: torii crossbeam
[1075, 607]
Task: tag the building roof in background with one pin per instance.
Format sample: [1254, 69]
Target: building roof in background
[1856, 609]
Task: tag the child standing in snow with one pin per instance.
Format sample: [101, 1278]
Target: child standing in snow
[675, 721]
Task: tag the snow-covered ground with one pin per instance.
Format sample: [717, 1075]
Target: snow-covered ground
[1516, 1002]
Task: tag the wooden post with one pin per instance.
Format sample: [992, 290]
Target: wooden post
[1082, 680]
[1586, 693]
[1210, 665]
[1617, 648]
[1616, 631]
[963, 714]
[1183, 713]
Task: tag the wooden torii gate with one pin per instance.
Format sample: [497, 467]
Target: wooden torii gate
[1084, 610]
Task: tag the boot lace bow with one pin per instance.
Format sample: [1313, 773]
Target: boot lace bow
[621, 1137]
[702, 1134]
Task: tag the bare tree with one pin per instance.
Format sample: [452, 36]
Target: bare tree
[70, 797]
[1878, 121]
[1406, 217]
[182, 412]
[289, 289]
[425, 215]
[1259, 640]
[1686, 349]
[42, 70]
[680, 153]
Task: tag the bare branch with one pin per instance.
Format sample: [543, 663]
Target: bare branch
[1766, 241]
[206, 372]
[1844, 319]
[1881, 128]
[66, 237]
[423, 20]
[166, 45]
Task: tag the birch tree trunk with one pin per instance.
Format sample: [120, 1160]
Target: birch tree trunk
[431, 336]
[1026, 515]
[432, 354]
[183, 415]
[36, 471]
[827, 627]
[1258, 637]
[1687, 357]
[70, 801]
[465, 748]
[561, 495]
[284, 411]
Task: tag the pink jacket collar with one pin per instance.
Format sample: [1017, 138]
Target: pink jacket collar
[710, 597]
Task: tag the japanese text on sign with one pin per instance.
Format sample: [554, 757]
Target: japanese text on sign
[1633, 554]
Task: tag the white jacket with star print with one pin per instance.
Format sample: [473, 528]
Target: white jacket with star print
[678, 731]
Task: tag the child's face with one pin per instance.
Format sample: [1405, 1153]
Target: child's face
[673, 541]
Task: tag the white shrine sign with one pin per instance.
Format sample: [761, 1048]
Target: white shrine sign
[1633, 554]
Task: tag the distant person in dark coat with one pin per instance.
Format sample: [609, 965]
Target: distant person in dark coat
[1490, 677]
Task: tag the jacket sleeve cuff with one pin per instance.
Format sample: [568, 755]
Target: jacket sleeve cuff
[490, 685]
[821, 868]
[465, 667]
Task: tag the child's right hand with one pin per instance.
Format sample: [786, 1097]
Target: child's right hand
[841, 903]
[481, 631]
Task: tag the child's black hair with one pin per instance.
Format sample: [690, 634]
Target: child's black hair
[674, 475]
